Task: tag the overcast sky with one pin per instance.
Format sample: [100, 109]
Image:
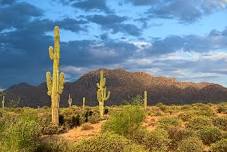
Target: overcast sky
[186, 39]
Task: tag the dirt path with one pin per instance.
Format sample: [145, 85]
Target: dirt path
[79, 133]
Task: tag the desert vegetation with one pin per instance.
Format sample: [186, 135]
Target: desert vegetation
[162, 128]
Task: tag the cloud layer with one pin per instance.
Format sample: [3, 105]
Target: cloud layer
[101, 33]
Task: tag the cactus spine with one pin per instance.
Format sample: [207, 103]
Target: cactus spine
[84, 100]
[145, 100]
[55, 83]
[102, 95]
[3, 102]
[70, 101]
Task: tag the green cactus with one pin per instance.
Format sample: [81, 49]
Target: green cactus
[55, 83]
[70, 101]
[145, 100]
[102, 95]
[3, 102]
[84, 100]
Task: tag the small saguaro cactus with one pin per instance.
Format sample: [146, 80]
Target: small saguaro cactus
[55, 83]
[84, 100]
[70, 101]
[145, 100]
[3, 102]
[102, 94]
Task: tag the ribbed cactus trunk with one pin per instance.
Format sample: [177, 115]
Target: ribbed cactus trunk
[84, 100]
[70, 101]
[3, 102]
[102, 95]
[55, 84]
[145, 100]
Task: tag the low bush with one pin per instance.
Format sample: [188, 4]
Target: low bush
[220, 146]
[200, 122]
[220, 122]
[185, 116]
[191, 144]
[156, 140]
[222, 108]
[167, 122]
[209, 135]
[54, 146]
[126, 121]
[177, 134]
[107, 142]
[20, 136]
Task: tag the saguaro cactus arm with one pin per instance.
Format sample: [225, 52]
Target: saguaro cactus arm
[51, 52]
[49, 83]
[61, 83]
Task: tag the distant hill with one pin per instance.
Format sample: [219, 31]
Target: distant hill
[124, 86]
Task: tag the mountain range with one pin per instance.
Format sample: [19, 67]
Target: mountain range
[124, 86]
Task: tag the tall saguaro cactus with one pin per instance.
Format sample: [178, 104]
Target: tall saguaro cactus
[102, 94]
[70, 101]
[55, 83]
[145, 100]
[84, 100]
[3, 102]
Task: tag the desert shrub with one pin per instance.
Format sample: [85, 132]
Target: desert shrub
[200, 122]
[95, 118]
[220, 122]
[209, 135]
[106, 142]
[205, 112]
[156, 140]
[155, 111]
[86, 126]
[54, 146]
[220, 146]
[177, 134]
[53, 129]
[222, 108]
[21, 135]
[167, 122]
[162, 107]
[106, 111]
[75, 121]
[185, 116]
[126, 121]
[191, 144]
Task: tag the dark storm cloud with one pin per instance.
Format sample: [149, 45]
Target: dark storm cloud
[88, 5]
[6, 2]
[87, 52]
[184, 11]
[115, 24]
[17, 15]
[213, 41]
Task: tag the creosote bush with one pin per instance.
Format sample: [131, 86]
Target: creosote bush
[126, 121]
[107, 142]
[20, 136]
[177, 134]
[220, 146]
[167, 122]
[220, 122]
[156, 140]
[200, 122]
[191, 144]
[209, 135]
